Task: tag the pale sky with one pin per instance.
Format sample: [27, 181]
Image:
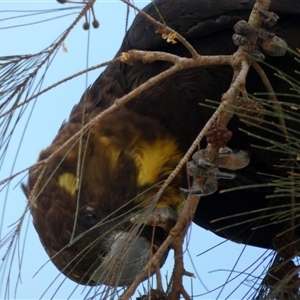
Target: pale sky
[84, 49]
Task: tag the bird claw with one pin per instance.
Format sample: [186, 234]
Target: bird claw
[200, 166]
[210, 187]
[231, 160]
[225, 158]
[257, 55]
[245, 29]
[269, 18]
[207, 169]
[274, 46]
[268, 42]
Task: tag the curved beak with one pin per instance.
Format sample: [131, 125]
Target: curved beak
[129, 254]
[125, 260]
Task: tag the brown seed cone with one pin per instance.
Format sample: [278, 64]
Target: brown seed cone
[218, 136]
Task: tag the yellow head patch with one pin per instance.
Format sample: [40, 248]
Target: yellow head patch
[155, 159]
[68, 181]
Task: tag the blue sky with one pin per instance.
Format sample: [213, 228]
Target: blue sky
[38, 127]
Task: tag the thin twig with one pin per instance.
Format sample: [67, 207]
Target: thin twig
[178, 36]
[50, 87]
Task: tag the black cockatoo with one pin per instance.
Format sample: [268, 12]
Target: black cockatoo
[90, 201]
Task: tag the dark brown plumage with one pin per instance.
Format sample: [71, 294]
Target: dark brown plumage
[127, 156]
